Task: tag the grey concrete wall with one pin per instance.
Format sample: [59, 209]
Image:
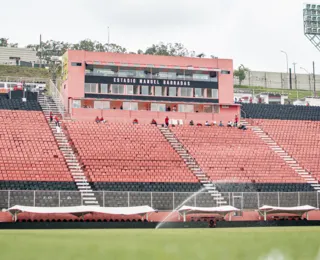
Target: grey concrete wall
[278, 80]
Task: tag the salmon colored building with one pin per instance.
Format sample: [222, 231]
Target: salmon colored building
[121, 87]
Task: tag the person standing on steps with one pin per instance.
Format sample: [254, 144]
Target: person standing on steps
[236, 120]
[51, 117]
[166, 121]
[56, 118]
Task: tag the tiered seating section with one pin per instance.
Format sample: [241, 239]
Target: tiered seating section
[126, 157]
[300, 139]
[18, 104]
[284, 112]
[238, 161]
[29, 156]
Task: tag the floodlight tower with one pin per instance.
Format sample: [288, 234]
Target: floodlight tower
[311, 21]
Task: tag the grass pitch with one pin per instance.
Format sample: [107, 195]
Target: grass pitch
[165, 244]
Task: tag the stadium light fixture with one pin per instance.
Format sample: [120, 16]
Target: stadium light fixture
[311, 21]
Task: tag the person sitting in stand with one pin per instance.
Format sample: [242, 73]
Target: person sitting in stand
[153, 122]
[97, 120]
[229, 124]
[199, 124]
[207, 123]
[214, 123]
[242, 127]
[135, 121]
[166, 121]
[220, 124]
[102, 120]
[191, 122]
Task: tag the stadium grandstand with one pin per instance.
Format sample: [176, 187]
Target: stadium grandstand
[139, 130]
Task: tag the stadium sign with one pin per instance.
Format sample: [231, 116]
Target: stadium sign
[150, 82]
[153, 82]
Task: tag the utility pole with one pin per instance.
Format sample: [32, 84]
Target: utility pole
[287, 62]
[40, 51]
[295, 78]
[314, 81]
[108, 35]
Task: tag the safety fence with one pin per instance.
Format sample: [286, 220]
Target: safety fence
[158, 200]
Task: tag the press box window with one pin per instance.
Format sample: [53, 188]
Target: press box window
[145, 90]
[213, 93]
[132, 90]
[117, 89]
[104, 88]
[102, 104]
[172, 91]
[76, 103]
[130, 106]
[199, 92]
[90, 88]
[186, 108]
[186, 92]
[159, 91]
[76, 64]
[225, 72]
[158, 107]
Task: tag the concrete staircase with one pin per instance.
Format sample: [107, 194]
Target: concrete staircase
[193, 166]
[88, 197]
[284, 155]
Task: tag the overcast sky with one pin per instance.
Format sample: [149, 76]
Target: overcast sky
[251, 32]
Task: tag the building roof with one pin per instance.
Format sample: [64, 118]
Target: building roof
[149, 60]
[24, 54]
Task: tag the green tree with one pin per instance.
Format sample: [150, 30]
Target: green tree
[112, 47]
[86, 45]
[4, 42]
[241, 73]
[168, 49]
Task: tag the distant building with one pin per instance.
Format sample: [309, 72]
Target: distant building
[18, 56]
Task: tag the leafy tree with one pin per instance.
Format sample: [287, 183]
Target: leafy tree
[86, 45]
[168, 49]
[4, 42]
[241, 73]
[112, 47]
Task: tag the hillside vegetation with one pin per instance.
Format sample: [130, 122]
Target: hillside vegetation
[16, 71]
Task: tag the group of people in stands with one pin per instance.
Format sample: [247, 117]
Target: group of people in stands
[100, 120]
[166, 123]
[154, 122]
[230, 124]
[56, 119]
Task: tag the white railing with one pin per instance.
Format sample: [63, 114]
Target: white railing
[157, 200]
[57, 98]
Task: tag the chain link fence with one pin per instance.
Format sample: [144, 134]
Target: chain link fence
[158, 200]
